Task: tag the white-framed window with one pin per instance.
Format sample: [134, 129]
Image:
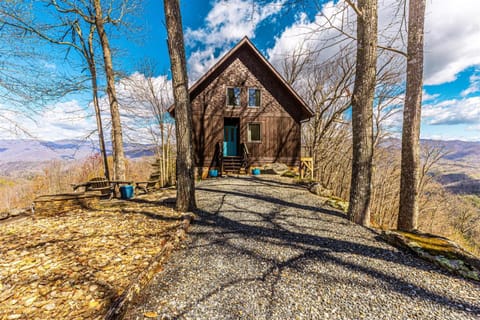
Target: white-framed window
[254, 97]
[254, 132]
[233, 96]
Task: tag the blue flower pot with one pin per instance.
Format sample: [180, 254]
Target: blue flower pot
[213, 173]
[256, 171]
[126, 192]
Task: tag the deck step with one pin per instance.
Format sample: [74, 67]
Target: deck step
[232, 164]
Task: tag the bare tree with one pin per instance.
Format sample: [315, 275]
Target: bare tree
[409, 185]
[70, 18]
[26, 81]
[89, 55]
[362, 111]
[119, 155]
[183, 111]
[143, 97]
[328, 92]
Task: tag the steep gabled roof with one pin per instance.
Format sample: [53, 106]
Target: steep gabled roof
[306, 111]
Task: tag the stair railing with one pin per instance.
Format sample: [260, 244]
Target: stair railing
[220, 156]
[245, 155]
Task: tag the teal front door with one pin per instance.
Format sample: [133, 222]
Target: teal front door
[230, 141]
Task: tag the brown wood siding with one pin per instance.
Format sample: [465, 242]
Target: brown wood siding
[280, 132]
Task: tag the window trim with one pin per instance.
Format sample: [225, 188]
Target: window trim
[239, 97]
[249, 132]
[248, 97]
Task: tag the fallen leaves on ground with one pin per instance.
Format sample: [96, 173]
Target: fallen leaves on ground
[150, 314]
[72, 266]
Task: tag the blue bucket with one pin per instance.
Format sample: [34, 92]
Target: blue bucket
[213, 173]
[256, 171]
[126, 192]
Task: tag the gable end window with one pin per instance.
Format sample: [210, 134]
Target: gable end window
[253, 97]
[233, 97]
[254, 132]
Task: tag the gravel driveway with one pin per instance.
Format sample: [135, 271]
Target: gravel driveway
[262, 248]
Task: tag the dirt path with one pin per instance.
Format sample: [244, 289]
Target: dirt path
[262, 248]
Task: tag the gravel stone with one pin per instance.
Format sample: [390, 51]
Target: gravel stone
[263, 248]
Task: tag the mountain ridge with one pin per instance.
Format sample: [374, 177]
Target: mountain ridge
[28, 157]
[38, 150]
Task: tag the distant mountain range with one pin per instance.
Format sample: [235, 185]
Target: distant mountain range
[459, 169]
[457, 150]
[28, 155]
[32, 150]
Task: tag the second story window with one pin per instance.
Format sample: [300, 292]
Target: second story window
[253, 97]
[233, 97]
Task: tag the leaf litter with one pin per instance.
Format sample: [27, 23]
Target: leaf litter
[72, 266]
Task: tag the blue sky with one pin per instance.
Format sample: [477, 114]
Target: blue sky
[452, 53]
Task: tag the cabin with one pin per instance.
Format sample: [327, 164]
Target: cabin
[245, 114]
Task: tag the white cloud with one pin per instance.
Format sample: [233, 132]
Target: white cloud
[474, 84]
[451, 46]
[452, 31]
[200, 61]
[63, 120]
[451, 35]
[454, 111]
[428, 97]
[475, 132]
[227, 22]
[137, 97]
[231, 20]
[75, 120]
[305, 36]
[332, 33]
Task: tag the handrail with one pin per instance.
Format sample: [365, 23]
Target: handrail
[245, 149]
[245, 155]
[220, 156]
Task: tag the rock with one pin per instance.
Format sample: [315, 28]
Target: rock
[319, 190]
[4, 215]
[29, 301]
[338, 204]
[49, 306]
[438, 250]
[93, 304]
[16, 212]
[150, 314]
[275, 168]
[289, 174]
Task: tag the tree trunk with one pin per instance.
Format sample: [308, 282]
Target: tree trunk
[119, 156]
[362, 113]
[183, 114]
[409, 182]
[98, 117]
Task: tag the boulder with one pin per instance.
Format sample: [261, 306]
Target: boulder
[4, 215]
[275, 168]
[319, 190]
[438, 250]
